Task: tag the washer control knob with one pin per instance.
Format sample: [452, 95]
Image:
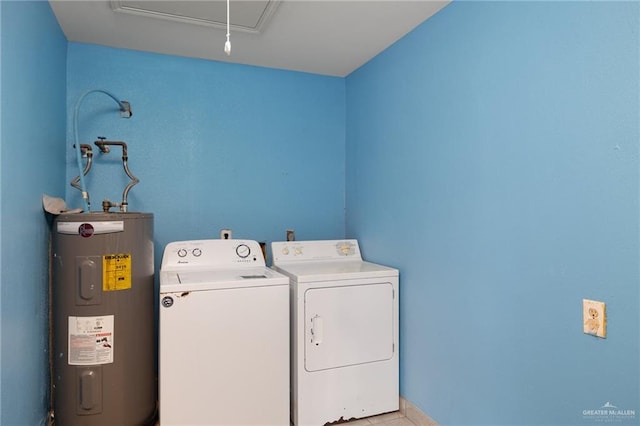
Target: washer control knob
[243, 251]
[298, 250]
[182, 252]
[285, 251]
[196, 252]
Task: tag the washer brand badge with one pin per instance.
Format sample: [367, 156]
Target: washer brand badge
[167, 301]
[85, 230]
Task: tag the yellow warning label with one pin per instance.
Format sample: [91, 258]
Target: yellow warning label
[116, 272]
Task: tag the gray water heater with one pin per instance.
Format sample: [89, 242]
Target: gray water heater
[103, 319]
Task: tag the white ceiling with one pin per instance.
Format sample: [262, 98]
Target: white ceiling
[330, 37]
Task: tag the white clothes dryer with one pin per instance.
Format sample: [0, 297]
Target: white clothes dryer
[223, 336]
[344, 331]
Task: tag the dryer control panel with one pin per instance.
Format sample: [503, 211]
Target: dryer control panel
[212, 253]
[321, 250]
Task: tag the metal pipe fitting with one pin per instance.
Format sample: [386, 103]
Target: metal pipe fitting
[104, 145]
[86, 151]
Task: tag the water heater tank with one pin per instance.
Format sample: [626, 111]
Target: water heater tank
[103, 319]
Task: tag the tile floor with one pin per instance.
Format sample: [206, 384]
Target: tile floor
[390, 419]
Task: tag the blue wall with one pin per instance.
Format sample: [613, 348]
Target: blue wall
[492, 155]
[214, 145]
[32, 163]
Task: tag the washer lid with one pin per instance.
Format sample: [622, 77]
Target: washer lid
[333, 271]
[218, 279]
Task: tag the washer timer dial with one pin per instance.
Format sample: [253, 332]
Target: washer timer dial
[243, 251]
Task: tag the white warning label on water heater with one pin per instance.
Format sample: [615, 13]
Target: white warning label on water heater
[91, 340]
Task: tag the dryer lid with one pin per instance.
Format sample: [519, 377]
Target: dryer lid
[334, 271]
[346, 326]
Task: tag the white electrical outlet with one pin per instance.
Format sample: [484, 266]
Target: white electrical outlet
[225, 234]
[291, 235]
[594, 318]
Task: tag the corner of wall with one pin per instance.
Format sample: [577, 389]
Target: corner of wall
[414, 414]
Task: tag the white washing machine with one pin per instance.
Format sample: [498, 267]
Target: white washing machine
[223, 336]
[344, 331]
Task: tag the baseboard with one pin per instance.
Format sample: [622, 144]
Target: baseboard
[414, 414]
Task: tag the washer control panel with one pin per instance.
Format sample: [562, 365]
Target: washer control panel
[322, 250]
[212, 253]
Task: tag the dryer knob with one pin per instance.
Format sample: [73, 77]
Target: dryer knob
[182, 252]
[285, 251]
